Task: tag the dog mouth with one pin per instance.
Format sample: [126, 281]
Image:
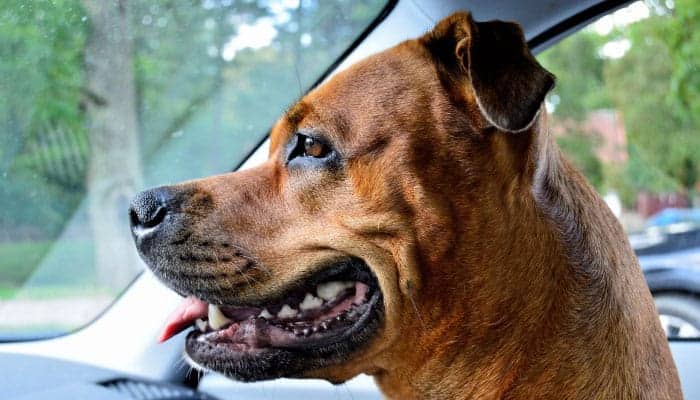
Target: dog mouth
[317, 322]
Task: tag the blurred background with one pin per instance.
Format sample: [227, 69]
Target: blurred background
[626, 106]
[626, 110]
[102, 98]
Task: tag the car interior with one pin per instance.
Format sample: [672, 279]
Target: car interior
[104, 346]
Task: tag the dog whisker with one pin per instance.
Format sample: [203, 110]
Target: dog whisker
[249, 278]
[181, 364]
[245, 276]
[263, 269]
[415, 308]
[240, 253]
[240, 271]
[296, 71]
[345, 386]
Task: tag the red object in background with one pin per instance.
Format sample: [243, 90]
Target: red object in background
[650, 203]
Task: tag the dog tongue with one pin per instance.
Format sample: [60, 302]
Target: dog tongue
[185, 315]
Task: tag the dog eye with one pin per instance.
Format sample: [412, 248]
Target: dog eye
[304, 149]
[313, 147]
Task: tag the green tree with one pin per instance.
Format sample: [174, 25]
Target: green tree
[652, 88]
[578, 66]
[683, 43]
[579, 146]
[100, 98]
[43, 145]
[580, 88]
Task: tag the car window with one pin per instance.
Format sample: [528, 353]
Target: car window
[626, 112]
[102, 98]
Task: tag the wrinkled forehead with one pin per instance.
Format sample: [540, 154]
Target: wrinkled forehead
[367, 97]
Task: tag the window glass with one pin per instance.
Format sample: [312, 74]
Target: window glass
[626, 110]
[102, 98]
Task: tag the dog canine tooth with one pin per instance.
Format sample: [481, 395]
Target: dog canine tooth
[201, 325]
[265, 314]
[287, 312]
[217, 319]
[329, 290]
[310, 301]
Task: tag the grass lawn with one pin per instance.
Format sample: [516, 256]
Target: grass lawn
[52, 292]
[45, 269]
[19, 259]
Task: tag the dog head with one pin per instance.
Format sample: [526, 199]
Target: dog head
[369, 236]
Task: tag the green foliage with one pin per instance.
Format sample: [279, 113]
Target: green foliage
[661, 120]
[580, 88]
[683, 42]
[224, 106]
[18, 261]
[41, 76]
[579, 146]
[69, 265]
[654, 86]
[200, 110]
[580, 85]
[189, 99]
[33, 206]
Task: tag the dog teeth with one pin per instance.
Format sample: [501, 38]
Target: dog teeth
[329, 290]
[201, 324]
[310, 301]
[325, 291]
[287, 312]
[217, 319]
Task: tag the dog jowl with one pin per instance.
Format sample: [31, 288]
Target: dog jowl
[414, 221]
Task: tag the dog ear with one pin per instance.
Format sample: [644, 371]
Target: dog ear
[509, 84]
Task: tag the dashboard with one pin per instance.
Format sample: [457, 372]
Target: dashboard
[31, 377]
[37, 378]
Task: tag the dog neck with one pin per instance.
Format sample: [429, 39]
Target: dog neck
[550, 299]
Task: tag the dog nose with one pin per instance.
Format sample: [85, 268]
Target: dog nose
[148, 209]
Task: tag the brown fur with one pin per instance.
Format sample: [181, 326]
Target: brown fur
[503, 273]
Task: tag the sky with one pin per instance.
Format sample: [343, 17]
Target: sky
[262, 32]
[617, 48]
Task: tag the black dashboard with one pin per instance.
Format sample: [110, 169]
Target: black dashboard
[25, 377]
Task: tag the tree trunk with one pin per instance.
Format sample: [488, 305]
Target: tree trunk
[114, 170]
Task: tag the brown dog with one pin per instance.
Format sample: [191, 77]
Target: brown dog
[414, 221]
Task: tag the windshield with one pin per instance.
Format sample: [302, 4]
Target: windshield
[100, 99]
